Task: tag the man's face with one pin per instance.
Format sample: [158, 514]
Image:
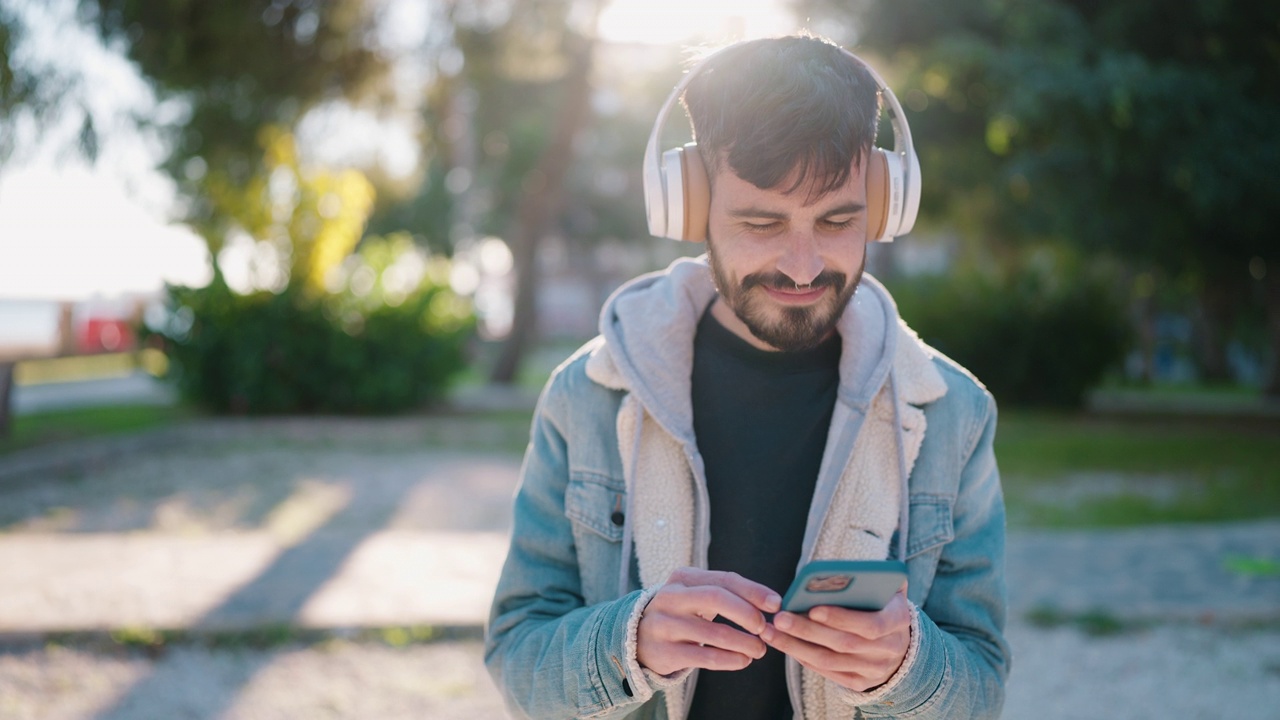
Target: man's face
[785, 265]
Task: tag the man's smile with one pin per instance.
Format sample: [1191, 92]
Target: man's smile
[806, 296]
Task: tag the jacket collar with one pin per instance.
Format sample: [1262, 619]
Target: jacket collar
[647, 327]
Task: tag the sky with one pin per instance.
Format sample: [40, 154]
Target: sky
[70, 231]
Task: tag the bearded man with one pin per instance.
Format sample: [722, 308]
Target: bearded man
[749, 411]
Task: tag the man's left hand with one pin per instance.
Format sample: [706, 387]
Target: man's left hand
[854, 648]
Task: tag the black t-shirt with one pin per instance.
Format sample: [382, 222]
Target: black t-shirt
[761, 421]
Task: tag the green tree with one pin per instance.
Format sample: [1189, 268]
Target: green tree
[509, 120]
[241, 66]
[1143, 128]
[35, 90]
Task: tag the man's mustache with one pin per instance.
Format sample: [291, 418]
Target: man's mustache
[778, 281]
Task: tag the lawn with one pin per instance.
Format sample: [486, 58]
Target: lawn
[1066, 470]
[1058, 470]
[81, 423]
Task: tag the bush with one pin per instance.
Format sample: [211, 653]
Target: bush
[1040, 335]
[373, 343]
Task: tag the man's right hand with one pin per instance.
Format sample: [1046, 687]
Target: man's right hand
[677, 630]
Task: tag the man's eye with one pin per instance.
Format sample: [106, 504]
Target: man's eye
[761, 227]
[837, 225]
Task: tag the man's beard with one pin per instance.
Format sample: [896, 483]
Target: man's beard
[786, 328]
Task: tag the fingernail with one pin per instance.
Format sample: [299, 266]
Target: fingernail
[782, 621]
[819, 614]
[767, 634]
[773, 602]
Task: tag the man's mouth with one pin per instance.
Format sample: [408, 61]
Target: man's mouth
[794, 296]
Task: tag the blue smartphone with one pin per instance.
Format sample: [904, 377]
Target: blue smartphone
[853, 584]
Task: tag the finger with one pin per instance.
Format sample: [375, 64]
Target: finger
[709, 602]
[868, 659]
[820, 628]
[753, 592]
[665, 656]
[712, 658]
[892, 619]
[717, 635]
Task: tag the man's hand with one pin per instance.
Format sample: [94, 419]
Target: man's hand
[853, 648]
[677, 630]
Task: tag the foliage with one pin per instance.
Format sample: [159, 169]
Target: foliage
[1062, 103]
[1076, 120]
[244, 64]
[1042, 333]
[238, 67]
[308, 220]
[37, 91]
[378, 339]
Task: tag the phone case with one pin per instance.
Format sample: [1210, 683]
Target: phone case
[853, 584]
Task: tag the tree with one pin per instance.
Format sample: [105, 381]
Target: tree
[241, 66]
[509, 121]
[1074, 119]
[36, 92]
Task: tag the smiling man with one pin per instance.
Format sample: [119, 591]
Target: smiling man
[742, 414]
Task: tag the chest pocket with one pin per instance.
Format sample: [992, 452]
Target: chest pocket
[597, 503]
[595, 506]
[931, 529]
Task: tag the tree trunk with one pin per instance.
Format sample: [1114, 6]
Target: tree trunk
[1272, 286]
[1146, 321]
[1217, 308]
[540, 200]
[6, 398]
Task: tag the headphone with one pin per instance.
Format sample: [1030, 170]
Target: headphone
[677, 191]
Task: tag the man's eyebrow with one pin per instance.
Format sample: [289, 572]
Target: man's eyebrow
[754, 212]
[849, 208]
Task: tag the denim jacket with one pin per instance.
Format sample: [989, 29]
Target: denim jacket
[612, 471]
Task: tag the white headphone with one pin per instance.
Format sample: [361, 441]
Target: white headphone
[677, 193]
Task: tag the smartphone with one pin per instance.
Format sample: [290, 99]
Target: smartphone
[853, 584]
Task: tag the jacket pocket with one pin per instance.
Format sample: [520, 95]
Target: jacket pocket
[931, 525]
[931, 529]
[597, 503]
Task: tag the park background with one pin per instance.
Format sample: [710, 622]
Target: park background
[263, 264]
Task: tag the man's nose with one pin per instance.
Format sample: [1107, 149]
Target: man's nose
[800, 260]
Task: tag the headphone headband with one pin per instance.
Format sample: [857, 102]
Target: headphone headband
[664, 185]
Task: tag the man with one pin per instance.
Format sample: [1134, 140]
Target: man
[747, 412]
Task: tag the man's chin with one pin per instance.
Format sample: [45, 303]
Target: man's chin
[792, 329]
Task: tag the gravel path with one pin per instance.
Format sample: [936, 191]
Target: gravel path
[329, 505]
[1189, 672]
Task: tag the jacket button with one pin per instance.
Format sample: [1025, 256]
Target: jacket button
[617, 518]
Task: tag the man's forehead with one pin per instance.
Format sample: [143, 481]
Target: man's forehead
[810, 191]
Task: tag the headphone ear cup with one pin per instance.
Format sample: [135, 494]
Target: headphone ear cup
[697, 194]
[877, 180]
[673, 193]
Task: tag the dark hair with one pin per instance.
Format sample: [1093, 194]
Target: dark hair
[776, 105]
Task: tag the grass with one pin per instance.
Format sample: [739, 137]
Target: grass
[156, 642]
[1095, 623]
[1074, 471]
[84, 423]
[1059, 470]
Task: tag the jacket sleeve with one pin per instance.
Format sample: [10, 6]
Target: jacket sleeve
[550, 655]
[963, 658]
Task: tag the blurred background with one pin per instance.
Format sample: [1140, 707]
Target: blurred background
[280, 281]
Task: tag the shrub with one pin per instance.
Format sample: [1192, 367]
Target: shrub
[1042, 334]
[386, 335]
